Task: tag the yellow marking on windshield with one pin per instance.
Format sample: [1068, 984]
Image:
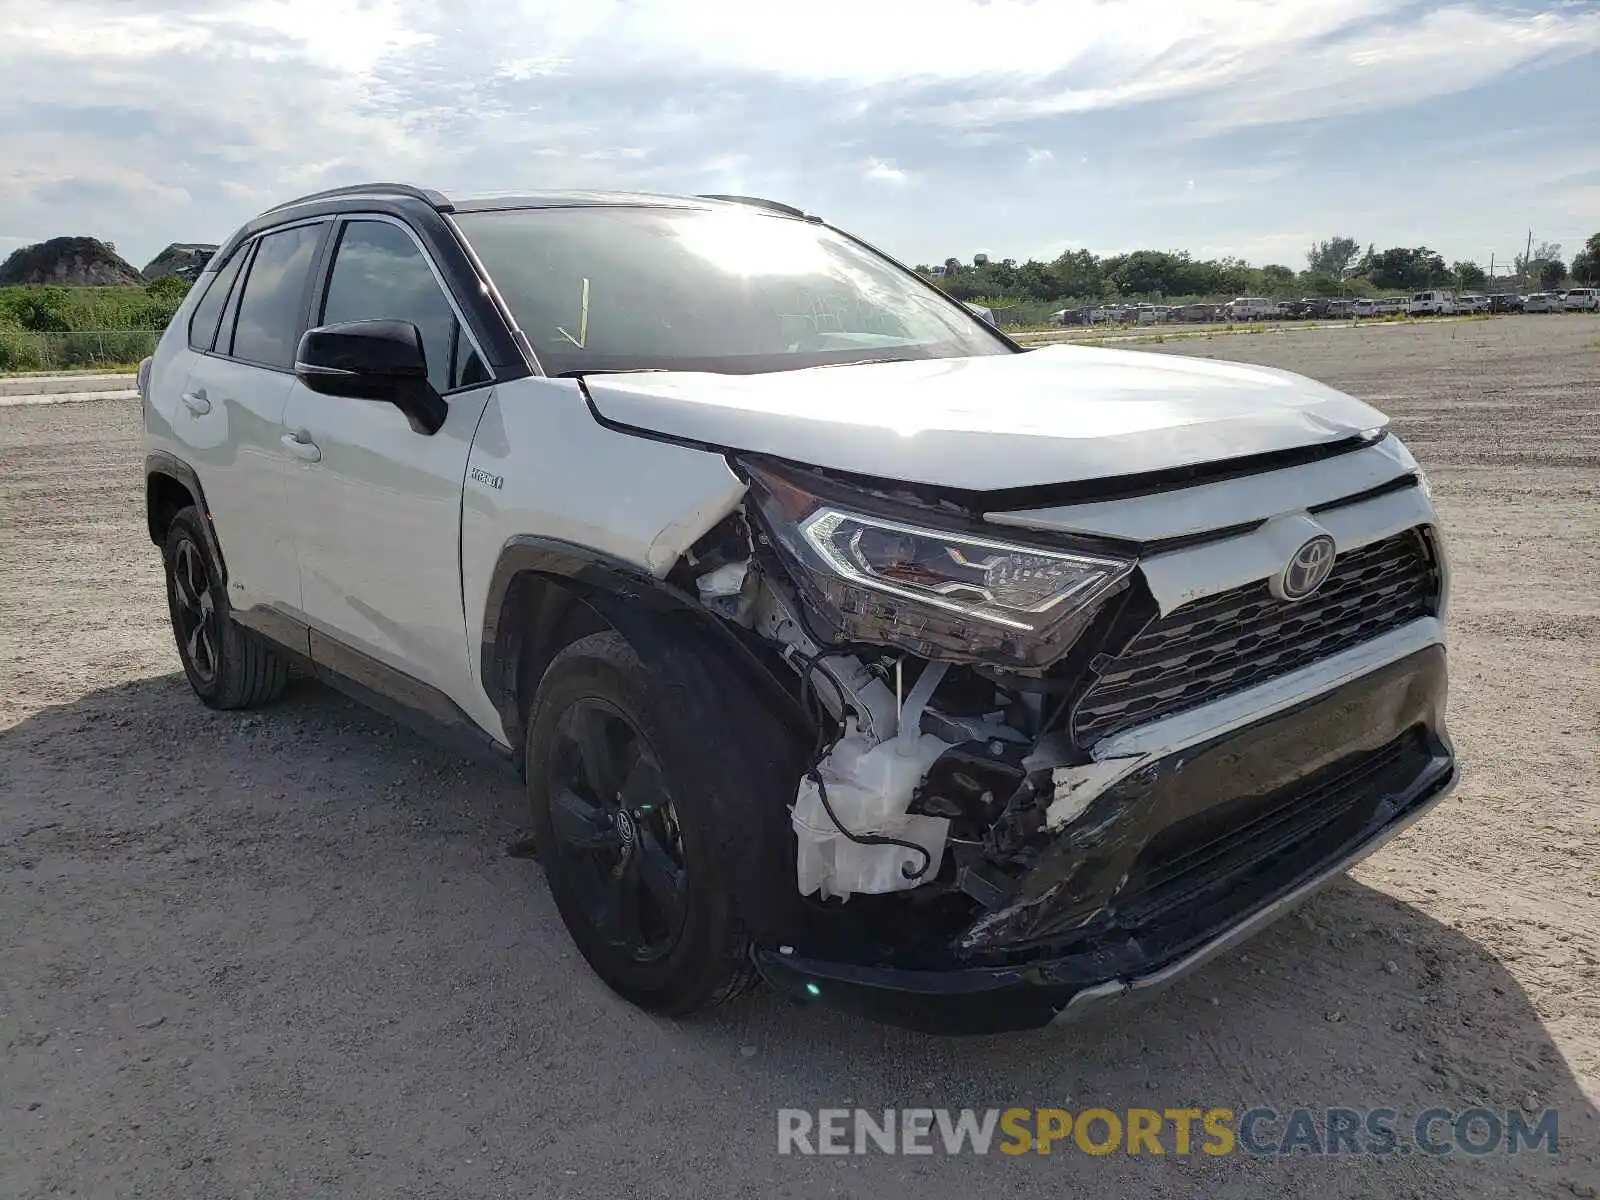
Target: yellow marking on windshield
[583, 320]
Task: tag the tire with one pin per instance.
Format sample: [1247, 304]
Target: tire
[678, 946]
[228, 666]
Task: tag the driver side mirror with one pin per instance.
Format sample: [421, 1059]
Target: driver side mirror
[372, 360]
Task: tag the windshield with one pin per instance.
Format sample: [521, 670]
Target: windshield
[735, 292]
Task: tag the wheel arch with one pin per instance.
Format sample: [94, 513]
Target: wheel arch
[170, 484]
[734, 708]
[545, 594]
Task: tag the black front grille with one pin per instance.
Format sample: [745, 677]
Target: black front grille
[1236, 639]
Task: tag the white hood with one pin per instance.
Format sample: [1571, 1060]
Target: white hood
[1056, 415]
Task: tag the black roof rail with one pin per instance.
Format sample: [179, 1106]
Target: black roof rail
[759, 202]
[428, 196]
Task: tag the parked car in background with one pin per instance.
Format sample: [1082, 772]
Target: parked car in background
[1389, 306]
[1506, 302]
[1250, 308]
[1439, 303]
[1195, 313]
[1582, 299]
[1340, 308]
[1472, 303]
[1153, 314]
[1542, 302]
[1306, 308]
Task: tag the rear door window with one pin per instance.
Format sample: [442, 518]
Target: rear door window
[272, 307]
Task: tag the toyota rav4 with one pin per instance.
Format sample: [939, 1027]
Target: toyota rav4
[839, 641]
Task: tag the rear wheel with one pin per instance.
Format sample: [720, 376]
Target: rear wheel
[626, 834]
[227, 666]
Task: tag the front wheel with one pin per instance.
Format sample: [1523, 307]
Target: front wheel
[624, 820]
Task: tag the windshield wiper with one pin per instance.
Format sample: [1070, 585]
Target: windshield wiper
[580, 372]
[868, 362]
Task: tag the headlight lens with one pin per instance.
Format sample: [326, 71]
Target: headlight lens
[1012, 586]
[937, 593]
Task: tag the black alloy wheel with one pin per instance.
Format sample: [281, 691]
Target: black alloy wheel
[613, 822]
[195, 613]
[642, 821]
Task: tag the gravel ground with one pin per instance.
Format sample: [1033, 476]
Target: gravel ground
[285, 954]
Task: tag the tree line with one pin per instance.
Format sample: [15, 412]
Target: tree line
[1336, 266]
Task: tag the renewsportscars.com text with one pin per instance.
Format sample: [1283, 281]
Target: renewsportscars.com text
[1259, 1131]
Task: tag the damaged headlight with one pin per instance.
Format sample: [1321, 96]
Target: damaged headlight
[938, 593]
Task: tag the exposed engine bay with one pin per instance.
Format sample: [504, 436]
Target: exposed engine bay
[942, 767]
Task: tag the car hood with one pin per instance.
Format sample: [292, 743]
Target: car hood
[1055, 415]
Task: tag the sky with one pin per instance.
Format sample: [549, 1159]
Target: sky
[1016, 128]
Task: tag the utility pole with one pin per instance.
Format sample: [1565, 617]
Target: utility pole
[1526, 255]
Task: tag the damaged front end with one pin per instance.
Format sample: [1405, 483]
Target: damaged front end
[973, 848]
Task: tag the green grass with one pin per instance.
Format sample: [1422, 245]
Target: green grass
[63, 329]
[23, 351]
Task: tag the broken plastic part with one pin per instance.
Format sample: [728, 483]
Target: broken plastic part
[854, 686]
[726, 580]
[1076, 787]
[869, 788]
[911, 715]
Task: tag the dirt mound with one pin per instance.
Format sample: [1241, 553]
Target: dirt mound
[184, 259]
[68, 261]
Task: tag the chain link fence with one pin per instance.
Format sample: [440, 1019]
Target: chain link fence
[24, 350]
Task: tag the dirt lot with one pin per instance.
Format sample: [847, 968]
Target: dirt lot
[285, 954]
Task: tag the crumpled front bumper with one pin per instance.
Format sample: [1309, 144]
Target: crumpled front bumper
[1347, 770]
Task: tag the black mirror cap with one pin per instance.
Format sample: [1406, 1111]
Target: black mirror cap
[372, 360]
[383, 349]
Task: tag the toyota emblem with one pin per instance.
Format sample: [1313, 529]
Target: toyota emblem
[1309, 568]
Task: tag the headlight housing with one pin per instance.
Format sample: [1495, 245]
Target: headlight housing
[950, 594]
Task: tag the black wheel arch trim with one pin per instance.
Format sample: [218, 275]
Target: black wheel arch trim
[620, 592]
[159, 464]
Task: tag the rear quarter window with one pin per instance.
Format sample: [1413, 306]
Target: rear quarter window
[208, 311]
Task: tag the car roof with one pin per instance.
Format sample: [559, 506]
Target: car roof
[564, 198]
[428, 206]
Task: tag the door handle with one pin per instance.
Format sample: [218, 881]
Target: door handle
[301, 447]
[197, 403]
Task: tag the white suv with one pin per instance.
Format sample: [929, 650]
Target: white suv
[839, 642]
[1434, 304]
[1251, 308]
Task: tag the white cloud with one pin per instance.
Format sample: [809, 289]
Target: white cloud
[162, 119]
[1273, 62]
[884, 172]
